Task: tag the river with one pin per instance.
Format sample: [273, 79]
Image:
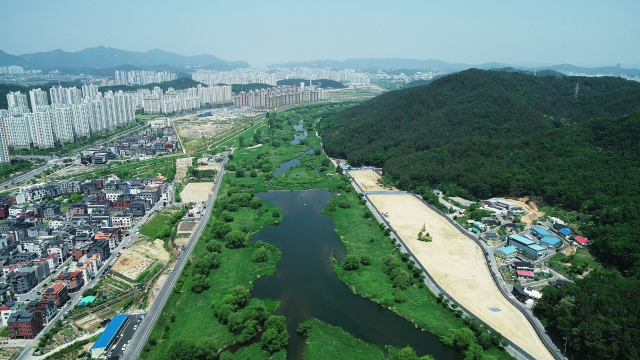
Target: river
[307, 285]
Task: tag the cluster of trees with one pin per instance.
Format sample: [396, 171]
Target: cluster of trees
[246, 320]
[201, 175]
[480, 134]
[16, 166]
[201, 266]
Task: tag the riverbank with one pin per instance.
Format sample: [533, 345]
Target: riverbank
[189, 310]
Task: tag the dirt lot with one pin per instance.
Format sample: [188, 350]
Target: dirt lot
[182, 165]
[209, 167]
[458, 266]
[191, 131]
[195, 192]
[137, 258]
[185, 228]
[530, 207]
[368, 180]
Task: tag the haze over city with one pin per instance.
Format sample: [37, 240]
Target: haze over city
[262, 33]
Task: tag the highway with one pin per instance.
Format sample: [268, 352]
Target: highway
[75, 297]
[145, 327]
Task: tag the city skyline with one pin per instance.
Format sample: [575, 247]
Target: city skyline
[530, 34]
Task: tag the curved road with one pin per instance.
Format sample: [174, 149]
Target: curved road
[144, 330]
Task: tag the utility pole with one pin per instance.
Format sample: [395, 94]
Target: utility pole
[577, 88]
[566, 338]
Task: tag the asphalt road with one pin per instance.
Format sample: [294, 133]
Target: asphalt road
[75, 297]
[145, 327]
[120, 348]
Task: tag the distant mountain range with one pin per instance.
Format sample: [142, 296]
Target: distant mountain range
[438, 65]
[103, 57]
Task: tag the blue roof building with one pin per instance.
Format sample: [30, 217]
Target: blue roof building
[550, 242]
[507, 251]
[540, 232]
[534, 251]
[109, 336]
[565, 232]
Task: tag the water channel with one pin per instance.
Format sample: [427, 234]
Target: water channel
[287, 165]
[307, 285]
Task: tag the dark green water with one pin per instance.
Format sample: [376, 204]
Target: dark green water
[307, 286]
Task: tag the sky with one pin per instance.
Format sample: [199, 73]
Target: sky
[584, 33]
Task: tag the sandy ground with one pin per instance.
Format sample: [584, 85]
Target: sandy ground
[530, 207]
[209, 167]
[191, 131]
[368, 180]
[195, 192]
[156, 289]
[182, 165]
[137, 258]
[457, 264]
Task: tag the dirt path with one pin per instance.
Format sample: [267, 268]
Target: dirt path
[458, 265]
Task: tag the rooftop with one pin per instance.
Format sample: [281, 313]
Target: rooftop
[111, 330]
[507, 250]
[541, 231]
[536, 247]
[521, 239]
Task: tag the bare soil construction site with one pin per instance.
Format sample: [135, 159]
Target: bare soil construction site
[138, 257]
[368, 180]
[196, 192]
[182, 166]
[458, 265]
[193, 130]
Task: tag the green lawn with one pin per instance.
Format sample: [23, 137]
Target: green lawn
[4, 331]
[575, 265]
[330, 342]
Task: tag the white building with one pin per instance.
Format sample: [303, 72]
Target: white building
[4, 143]
[41, 126]
[17, 99]
[38, 98]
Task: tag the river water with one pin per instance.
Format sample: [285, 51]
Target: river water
[307, 285]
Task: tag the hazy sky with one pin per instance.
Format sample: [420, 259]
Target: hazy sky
[264, 32]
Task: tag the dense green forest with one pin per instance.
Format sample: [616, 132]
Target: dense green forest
[486, 133]
[323, 83]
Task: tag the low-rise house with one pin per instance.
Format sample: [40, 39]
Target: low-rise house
[47, 309]
[508, 252]
[74, 280]
[25, 324]
[22, 282]
[57, 293]
[519, 293]
[50, 210]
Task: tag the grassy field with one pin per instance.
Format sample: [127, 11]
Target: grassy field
[330, 342]
[4, 331]
[254, 352]
[192, 312]
[134, 169]
[575, 265]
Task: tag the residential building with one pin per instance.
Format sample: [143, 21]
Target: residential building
[74, 280]
[25, 324]
[58, 293]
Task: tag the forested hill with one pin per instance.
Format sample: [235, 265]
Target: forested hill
[482, 134]
[485, 104]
